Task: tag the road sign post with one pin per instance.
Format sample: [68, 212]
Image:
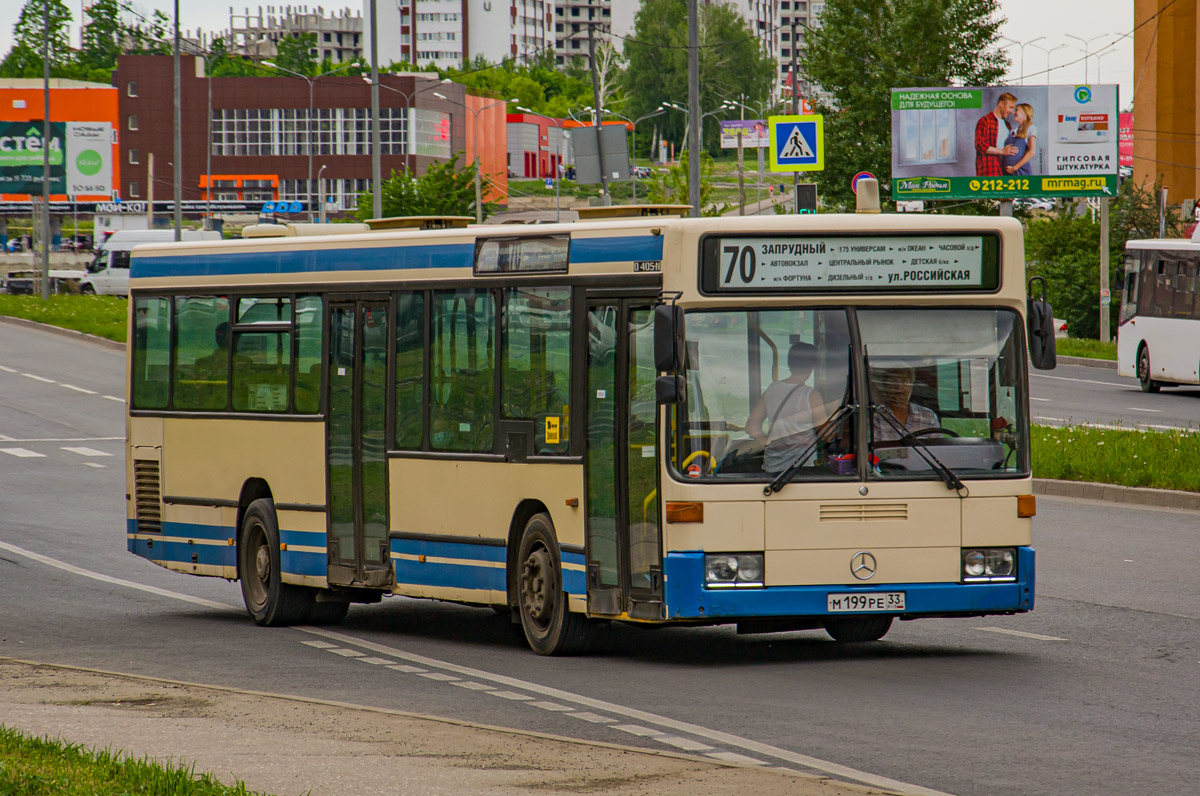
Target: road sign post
[797, 143]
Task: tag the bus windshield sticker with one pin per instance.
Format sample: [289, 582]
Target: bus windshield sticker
[847, 263]
[546, 253]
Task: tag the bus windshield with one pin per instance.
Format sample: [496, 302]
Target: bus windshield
[943, 391]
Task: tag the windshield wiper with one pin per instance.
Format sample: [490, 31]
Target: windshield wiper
[798, 462]
[945, 473]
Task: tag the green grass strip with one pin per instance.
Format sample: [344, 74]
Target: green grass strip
[1156, 459]
[44, 767]
[1093, 349]
[103, 316]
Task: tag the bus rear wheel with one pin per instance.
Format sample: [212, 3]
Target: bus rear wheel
[270, 601]
[857, 628]
[1143, 370]
[550, 627]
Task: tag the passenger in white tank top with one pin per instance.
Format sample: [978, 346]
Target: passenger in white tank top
[785, 420]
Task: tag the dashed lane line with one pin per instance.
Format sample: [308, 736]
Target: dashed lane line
[86, 451]
[1141, 409]
[7, 369]
[94, 464]
[36, 377]
[63, 439]
[78, 389]
[1021, 633]
[114, 398]
[23, 453]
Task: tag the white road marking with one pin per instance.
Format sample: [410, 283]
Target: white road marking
[1020, 633]
[22, 453]
[39, 378]
[64, 439]
[717, 736]
[1081, 381]
[1044, 400]
[686, 744]
[374, 661]
[1140, 409]
[87, 451]
[8, 370]
[187, 598]
[78, 389]
[5, 439]
[551, 706]
[440, 676]
[345, 653]
[637, 729]
[513, 695]
[115, 398]
[474, 686]
[400, 667]
[94, 464]
[734, 757]
[1143, 428]
[321, 645]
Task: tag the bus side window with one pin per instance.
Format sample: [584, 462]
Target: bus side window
[410, 370]
[535, 380]
[201, 353]
[309, 322]
[462, 359]
[151, 352]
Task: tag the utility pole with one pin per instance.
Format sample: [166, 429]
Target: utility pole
[150, 190]
[598, 118]
[795, 112]
[178, 137]
[46, 139]
[1105, 295]
[694, 107]
[376, 142]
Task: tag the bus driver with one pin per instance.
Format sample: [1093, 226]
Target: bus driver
[892, 387]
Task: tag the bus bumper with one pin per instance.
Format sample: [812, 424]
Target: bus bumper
[688, 598]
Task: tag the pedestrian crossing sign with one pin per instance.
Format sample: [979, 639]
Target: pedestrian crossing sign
[797, 143]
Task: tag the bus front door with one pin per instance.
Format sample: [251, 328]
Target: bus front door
[357, 444]
[624, 539]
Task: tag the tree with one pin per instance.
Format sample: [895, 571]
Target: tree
[443, 190]
[733, 62]
[855, 60]
[25, 57]
[103, 35]
[298, 53]
[152, 36]
[670, 185]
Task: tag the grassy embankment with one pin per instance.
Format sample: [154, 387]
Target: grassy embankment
[103, 316]
[1162, 460]
[41, 767]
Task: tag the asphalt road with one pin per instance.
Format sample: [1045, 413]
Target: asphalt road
[1094, 692]
[1078, 394]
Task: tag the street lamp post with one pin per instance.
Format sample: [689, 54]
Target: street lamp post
[633, 149]
[1047, 51]
[1087, 43]
[558, 167]
[409, 97]
[1022, 45]
[321, 193]
[475, 147]
[760, 112]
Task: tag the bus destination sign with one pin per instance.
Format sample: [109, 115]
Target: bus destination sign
[836, 262]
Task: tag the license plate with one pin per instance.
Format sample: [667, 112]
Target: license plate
[874, 601]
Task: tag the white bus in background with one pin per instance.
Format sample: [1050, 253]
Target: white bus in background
[108, 273]
[1158, 337]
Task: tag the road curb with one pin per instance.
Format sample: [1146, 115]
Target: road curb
[1111, 493]
[103, 342]
[1107, 364]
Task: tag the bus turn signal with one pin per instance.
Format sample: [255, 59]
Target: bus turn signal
[685, 512]
[1026, 506]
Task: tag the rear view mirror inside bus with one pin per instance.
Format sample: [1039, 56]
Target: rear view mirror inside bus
[668, 338]
[1039, 317]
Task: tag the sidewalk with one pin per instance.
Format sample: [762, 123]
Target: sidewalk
[284, 745]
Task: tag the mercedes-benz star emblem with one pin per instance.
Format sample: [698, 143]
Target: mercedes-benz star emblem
[862, 565]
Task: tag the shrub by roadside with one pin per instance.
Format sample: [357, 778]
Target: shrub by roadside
[1155, 459]
[103, 316]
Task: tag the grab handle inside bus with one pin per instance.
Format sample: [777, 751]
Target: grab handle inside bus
[1039, 318]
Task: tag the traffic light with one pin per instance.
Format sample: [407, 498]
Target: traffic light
[807, 192]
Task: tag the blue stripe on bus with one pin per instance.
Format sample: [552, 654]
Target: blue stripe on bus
[609, 250]
[687, 598]
[574, 581]
[293, 562]
[445, 255]
[468, 575]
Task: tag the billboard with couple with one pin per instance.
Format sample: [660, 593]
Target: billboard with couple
[1004, 142]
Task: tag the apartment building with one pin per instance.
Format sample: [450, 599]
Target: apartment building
[449, 33]
[256, 34]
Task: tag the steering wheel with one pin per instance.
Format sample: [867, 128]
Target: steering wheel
[935, 430]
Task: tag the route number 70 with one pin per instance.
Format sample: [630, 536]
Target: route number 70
[742, 258]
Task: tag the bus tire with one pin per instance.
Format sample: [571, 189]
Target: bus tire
[1143, 370]
[550, 627]
[857, 628]
[270, 601]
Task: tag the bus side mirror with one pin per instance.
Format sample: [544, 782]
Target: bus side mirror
[669, 389]
[1040, 320]
[668, 338]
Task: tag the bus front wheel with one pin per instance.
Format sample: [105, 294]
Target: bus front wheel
[550, 627]
[857, 628]
[270, 601]
[1143, 370]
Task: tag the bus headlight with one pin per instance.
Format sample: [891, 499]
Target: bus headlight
[989, 565]
[733, 569]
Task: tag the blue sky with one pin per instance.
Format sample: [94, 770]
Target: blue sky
[1100, 21]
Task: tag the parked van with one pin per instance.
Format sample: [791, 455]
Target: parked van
[108, 273]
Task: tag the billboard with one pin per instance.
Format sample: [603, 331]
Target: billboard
[1004, 142]
[587, 154]
[753, 133]
[1125, 147]
[89, 158]
[22, 147]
